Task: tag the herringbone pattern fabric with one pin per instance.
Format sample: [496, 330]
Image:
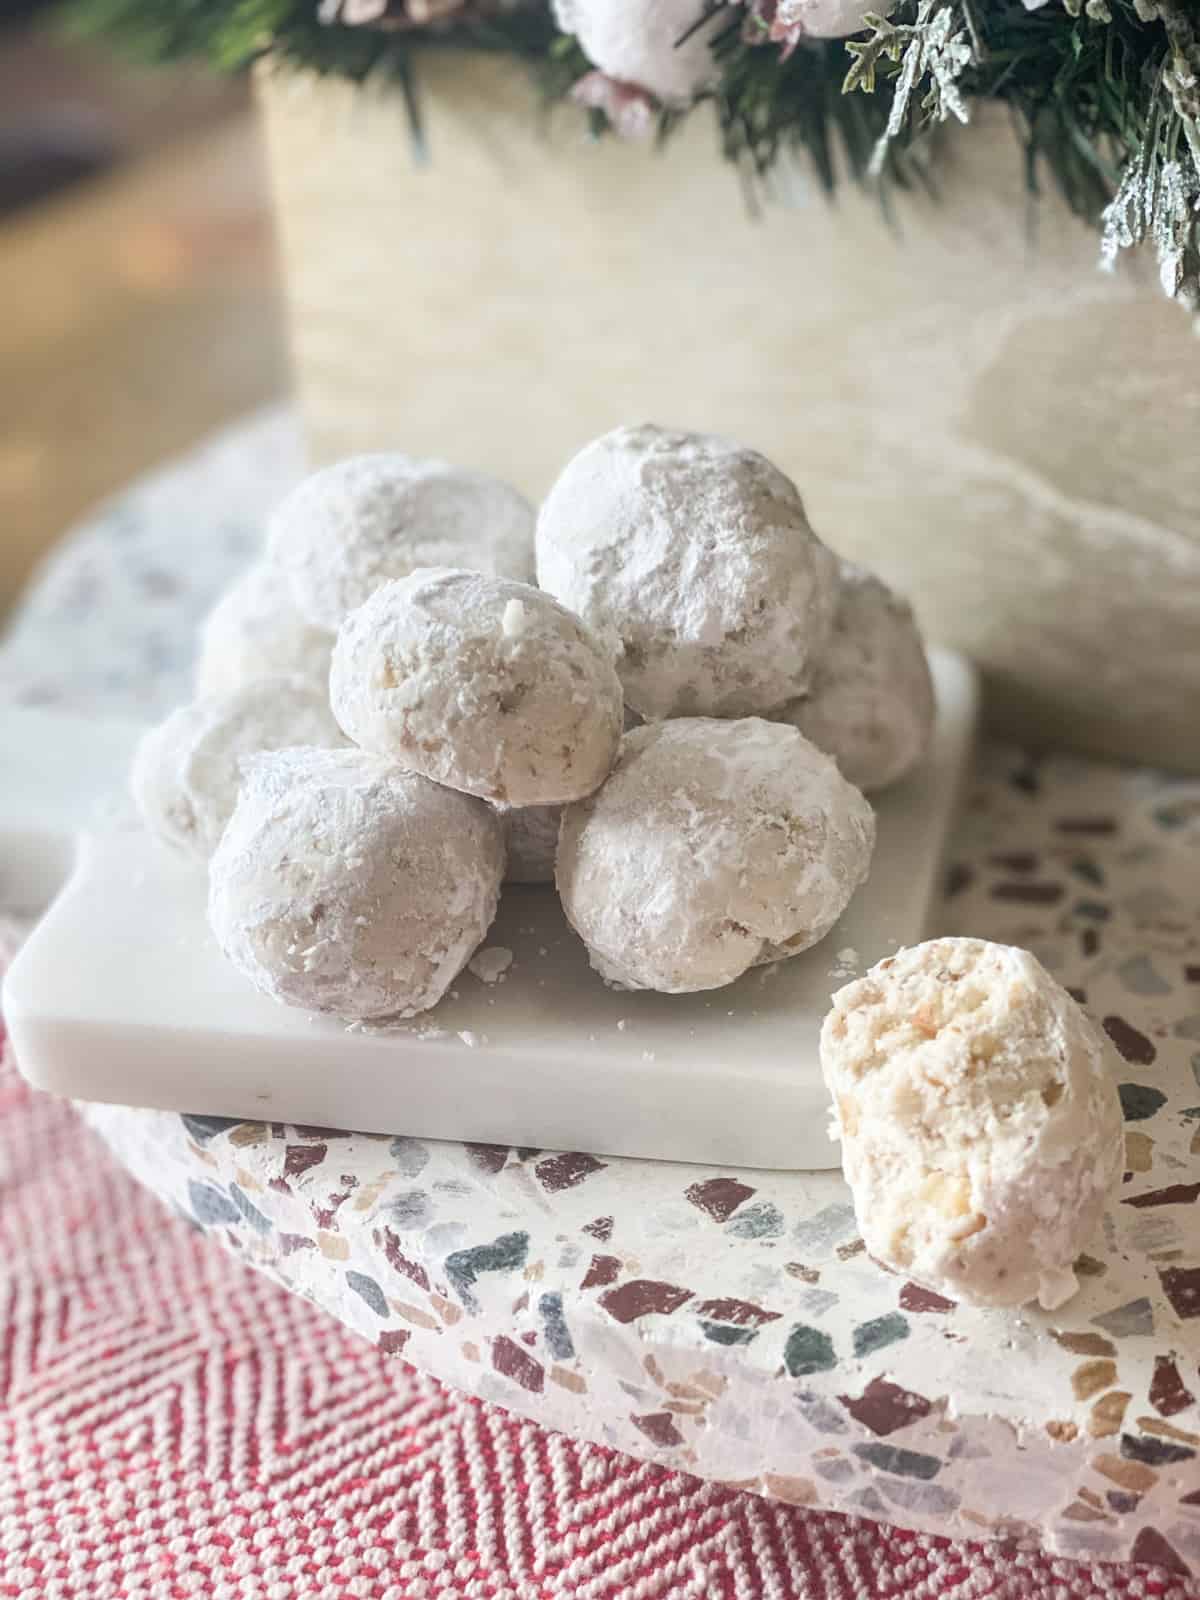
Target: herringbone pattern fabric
[172, 1424]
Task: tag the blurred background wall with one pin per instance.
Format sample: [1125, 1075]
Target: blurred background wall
[138, 303]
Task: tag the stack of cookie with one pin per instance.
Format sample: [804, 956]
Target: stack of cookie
[675, 722]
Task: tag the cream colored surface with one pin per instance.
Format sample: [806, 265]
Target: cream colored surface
[1000, 430]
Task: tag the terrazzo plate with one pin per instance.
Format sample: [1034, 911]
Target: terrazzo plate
[723, 1321]
[121, 995]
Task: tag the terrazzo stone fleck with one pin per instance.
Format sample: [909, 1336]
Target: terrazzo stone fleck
[822, 1414]
[1151, 1548]
[914, 1297]
[1168, 1392]
[1094, 867]
[411, 1156]
[249, 1210]
[659, 1427]
[830, 1225]
[202, 1129]
[502, 1255]
[411, 1209]
[1108, 1413]
[367, 1289]
[762, 1221]
[905, 1463]
[643, 1297]
[1139, 1101]
[1133, 1045]
[1139, 975]
[1175, 1194]
[601, 1270]
[209, 1206]
[1154, 1452]
[930, 1498]
[1182, 1288]
[719, 1198]
[808, 1350]
[883, 1407]
[490, 1158]
[509, 1359]
[567, 1170]
[721, 1333]
[880, 1331]
[1133, 1320]
[554, 1322]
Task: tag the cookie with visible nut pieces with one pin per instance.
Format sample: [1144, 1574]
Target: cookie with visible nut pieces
[981, 1128]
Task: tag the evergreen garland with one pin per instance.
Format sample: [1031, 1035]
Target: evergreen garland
[1104, 95]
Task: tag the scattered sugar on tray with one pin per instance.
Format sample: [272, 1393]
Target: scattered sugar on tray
[622, 1025]
[472, 1039]
[491, 963]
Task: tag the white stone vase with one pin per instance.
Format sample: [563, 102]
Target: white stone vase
[1006, 433]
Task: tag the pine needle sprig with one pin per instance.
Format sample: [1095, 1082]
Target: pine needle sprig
[1105, 94]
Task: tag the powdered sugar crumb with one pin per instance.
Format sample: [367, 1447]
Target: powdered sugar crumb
[491, 963]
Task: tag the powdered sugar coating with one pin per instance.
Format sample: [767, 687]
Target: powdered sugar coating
[531, 839]
[361, 522]
[343, 884]
[871, 703]
[186, 771]
[981, 1129]
[714, 845]
[656, 47]
[480, 683]
[254, 631]
[698, 555]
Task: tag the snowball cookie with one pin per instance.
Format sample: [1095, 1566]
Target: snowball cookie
[981, 1131]
[186, 772]
[255, 631]
[697, 554]
[871, 703]
[531, 837]
[711, 847]
[656, 46]
[480, 683]
[354, 525]
[344, 884]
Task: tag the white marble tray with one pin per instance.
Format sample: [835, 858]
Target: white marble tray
[121, 994]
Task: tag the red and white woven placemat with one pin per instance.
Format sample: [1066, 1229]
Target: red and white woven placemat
[172, 1424]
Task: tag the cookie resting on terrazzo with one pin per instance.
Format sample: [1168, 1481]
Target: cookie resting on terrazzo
[698, 556]
[361, 522]
[531, 840]
[713, 846]
[981, 1131]
[346, 885]
[871, 703]
[186, 771]
[480, 683]
[254, 631]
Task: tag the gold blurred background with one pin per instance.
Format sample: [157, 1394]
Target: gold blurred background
[138, 300]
